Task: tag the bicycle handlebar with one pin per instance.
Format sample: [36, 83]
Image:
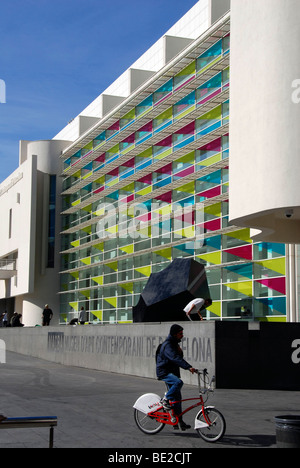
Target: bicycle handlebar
[204, 372]
[207, 384]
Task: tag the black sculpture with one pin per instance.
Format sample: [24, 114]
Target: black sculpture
[169, 291]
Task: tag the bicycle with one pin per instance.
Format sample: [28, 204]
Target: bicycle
[151, 417]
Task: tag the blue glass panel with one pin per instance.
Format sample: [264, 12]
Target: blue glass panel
[143, 165]
[275, 304]
[214, 177]
[161, 127]
[114, 195]
[163, 182]
[214, 82]
[185, 142]
[209, 129]
[243, 270]
[101, 136]
[184, 103]
[187, 201]
[209, 55]
[127, 174]
[272, 247]
[146, 102]
[142, 140]
[186, 248]
[166, 87]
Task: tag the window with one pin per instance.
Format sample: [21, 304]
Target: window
[10, 223]
[51, 228]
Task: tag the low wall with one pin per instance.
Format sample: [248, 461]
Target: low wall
[239, 354]
[127, 349]
[262, 355]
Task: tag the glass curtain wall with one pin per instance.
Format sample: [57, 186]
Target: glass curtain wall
[153, 187]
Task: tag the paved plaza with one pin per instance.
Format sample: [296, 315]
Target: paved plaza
[94, 409]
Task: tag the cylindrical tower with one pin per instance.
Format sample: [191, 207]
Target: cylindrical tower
[264, 118]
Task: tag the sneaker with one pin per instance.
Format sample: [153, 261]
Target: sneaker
[165, 403]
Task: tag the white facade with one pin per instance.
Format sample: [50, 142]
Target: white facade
[17, 203]
[264, 118]
[26, 280]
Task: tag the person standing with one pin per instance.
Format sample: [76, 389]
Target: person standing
[5, 319]
[82, 316]
[47, 315]
[1, 320]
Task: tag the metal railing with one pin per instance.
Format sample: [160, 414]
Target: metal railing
[8, 265]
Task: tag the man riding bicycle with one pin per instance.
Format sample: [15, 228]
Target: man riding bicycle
[168, 364]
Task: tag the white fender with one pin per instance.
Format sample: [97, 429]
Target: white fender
[199, 424]
[147, 403]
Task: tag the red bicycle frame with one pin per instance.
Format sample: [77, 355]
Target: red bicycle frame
[169, 417]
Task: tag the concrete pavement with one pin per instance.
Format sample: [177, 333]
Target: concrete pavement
[94, 409]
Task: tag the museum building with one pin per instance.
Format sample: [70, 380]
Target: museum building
[140, 177]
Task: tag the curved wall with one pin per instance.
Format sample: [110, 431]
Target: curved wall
[46, 279]
[48, 152]
[265, 117]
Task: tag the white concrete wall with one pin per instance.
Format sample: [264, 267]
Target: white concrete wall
[264, 117]
[297, 253]
[26, 193]
[127, 349]
[18, 194]
[46, 280]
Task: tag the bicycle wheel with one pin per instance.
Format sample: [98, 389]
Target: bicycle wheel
[216, 429]
[146, 423]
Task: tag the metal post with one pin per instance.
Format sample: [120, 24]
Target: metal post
[51, 437]
[292, 284]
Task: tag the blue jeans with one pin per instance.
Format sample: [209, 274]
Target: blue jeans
[174, 384]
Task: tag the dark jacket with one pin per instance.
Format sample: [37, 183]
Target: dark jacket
[170, 359]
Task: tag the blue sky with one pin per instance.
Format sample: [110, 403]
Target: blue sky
[56, 56]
